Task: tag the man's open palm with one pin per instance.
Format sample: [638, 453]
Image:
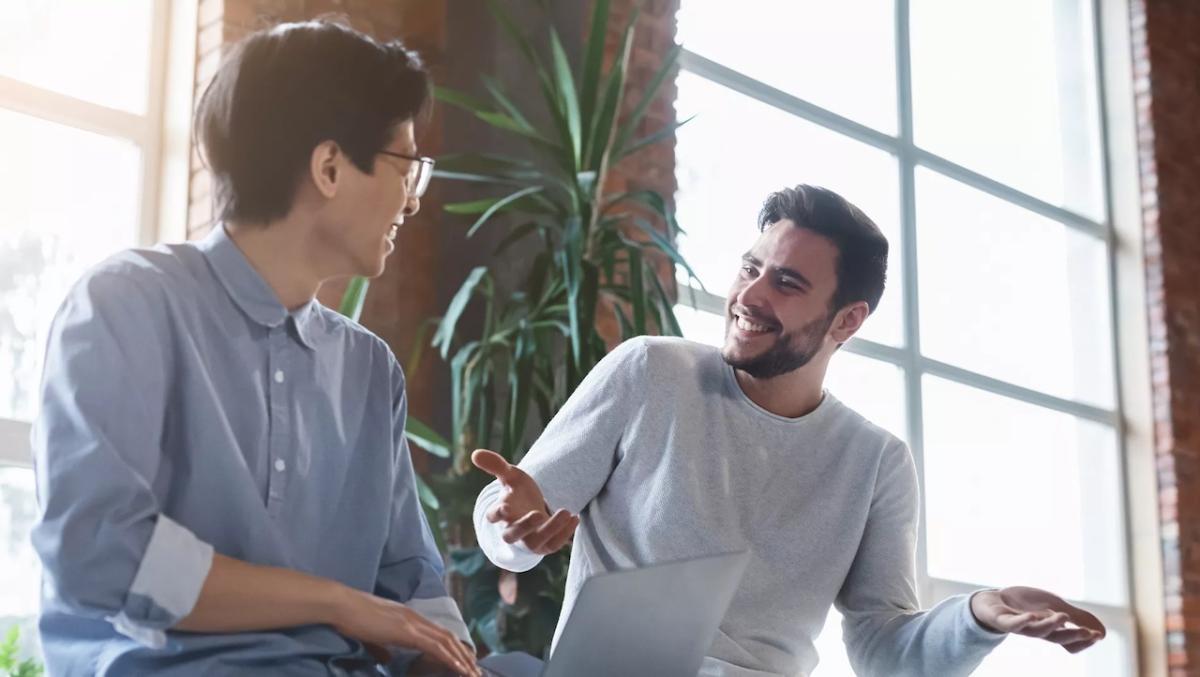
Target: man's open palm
[523, 508]
[1037, 613]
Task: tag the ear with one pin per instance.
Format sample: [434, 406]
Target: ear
[325, 168]
[848, 321]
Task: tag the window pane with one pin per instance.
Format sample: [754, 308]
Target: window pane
[68, 198]
[1025, 656]
[19, 567]
[727, 167]
[1009, 89]
[831, 650]
[698, 325]
[873, 388]
[1021, 495]
[96, 51]
[1011, 294]
[837, 55]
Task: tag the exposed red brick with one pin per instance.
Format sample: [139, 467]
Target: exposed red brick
[1166, 55]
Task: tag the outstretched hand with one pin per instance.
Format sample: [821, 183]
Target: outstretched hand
[523, 508]
[1037, 613]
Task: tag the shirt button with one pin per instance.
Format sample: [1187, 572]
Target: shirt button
[280, 465]
[279, 376]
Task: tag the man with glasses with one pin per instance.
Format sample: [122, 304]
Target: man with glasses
[223, 479]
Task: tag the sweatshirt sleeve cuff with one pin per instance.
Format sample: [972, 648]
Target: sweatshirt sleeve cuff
[974, 629]
[166, 585]
[513, 557]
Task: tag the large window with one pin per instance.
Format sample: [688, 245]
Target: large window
[971, 132]
[94, 101]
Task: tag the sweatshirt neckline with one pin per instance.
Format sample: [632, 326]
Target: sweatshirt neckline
[827, 404]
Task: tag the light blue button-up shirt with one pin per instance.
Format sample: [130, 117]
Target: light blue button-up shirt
[185, 411]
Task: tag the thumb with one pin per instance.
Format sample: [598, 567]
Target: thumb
[493, 464]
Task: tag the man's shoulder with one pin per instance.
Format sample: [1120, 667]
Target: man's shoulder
[865, 430]
[667, 352]
[138, 273]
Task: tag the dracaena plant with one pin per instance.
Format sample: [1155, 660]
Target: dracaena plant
[585, 257]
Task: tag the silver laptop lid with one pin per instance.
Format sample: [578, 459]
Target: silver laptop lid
[657, 621]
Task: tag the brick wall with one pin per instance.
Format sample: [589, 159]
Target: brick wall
[1166, 56]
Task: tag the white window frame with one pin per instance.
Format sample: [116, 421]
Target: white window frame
[1121, 231]
[162, 136]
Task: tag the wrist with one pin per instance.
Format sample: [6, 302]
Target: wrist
[334, 601]
[976, 603]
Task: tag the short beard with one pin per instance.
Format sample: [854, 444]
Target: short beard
[789, 353]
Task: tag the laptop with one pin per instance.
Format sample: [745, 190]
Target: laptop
[656, 621]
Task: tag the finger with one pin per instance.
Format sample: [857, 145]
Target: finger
[523, 527]
[1067, 636]
[1013, 621]
[460, 650]
[428, 643]
[446, 651]
[495, 513]
[562, 538]
[1045, 625]
[493, 464]
[1083, 644]
[1084, 619]
[548, 530]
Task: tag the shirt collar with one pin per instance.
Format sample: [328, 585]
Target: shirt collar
[251, 292]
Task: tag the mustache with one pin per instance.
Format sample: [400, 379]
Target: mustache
[755, 317]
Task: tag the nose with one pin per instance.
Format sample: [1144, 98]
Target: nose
[752, 293]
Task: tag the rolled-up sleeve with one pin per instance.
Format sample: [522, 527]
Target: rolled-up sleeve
[107, 549]
[412, 571]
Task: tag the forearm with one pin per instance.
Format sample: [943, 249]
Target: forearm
[944, 640]
[238, 597]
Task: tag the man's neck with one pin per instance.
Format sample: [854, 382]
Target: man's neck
[791, 395]
[281, 252]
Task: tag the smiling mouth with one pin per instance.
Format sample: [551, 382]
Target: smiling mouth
[750, 326]
[391, 236]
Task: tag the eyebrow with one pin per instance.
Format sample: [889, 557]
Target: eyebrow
[787, 272]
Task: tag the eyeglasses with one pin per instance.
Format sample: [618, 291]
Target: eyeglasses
[419, 173]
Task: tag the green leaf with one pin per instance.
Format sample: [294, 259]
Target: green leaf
[623, 320]
[589, 89]
[664, 245]
[501, 204]
[445, 332]
[570, 260]
[467, 561]
[476, 178]
[354, 298]
[637, 291]
[668, 324]
[428, 498]
[425, 437]
[603, 126]
[509, 107]
[461, 99]
[664, 133]
[630, 124]
[568, 99]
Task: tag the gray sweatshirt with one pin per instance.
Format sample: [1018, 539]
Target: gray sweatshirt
[665, 458]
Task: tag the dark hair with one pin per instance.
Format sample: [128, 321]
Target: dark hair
[862, 249]
[285, 90]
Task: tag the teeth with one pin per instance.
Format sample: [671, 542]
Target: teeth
[747, 325]
[392, 233]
